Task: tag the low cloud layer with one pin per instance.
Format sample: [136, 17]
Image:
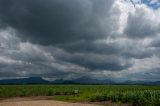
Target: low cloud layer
[113, 39]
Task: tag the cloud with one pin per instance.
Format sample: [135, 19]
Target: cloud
[144, 22]
[24, 59]
[68, 39]
[150, 75]
[56, 21]
[99, 62]
[155, 42]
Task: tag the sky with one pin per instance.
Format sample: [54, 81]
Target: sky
[102, 39]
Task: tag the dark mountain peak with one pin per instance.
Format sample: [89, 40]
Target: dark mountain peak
[30, 80]
[142, 82]
[85, 79]
[81, 80]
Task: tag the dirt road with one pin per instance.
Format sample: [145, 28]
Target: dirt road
[36, 102]
[42, 103]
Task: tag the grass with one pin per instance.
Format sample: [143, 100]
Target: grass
[134, 94]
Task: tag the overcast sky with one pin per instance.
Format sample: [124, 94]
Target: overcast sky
[104, 39]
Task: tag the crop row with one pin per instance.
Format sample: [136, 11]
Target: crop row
[133, 94]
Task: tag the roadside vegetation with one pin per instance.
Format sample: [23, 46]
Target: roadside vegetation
[137, 95]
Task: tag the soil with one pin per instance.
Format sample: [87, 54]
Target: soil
[49, 101]
[38, 101]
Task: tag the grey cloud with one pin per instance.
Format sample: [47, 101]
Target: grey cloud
[98, 47]
[126, 48]
[155, 42]
[56, 21]
[149, 75]
[94, 60]
[24, 59]
[72, 38]
[140, 25]
[98, 62]
[137, 51]
[29, 70]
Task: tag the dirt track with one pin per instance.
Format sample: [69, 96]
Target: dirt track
[42, 103]
[36, 102]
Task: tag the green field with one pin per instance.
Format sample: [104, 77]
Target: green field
[133, 94]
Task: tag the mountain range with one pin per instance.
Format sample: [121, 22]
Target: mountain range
[81, 80]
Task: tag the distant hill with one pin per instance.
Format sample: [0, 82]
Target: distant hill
[84, 80]
[39, 80]
[30, 80]
[92, 81]
[81, 80]
[142, 82]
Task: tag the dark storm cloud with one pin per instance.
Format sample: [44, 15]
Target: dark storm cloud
[155, 42]
[94, 59]
[59, 22]
[98, 62]
[55, 21]
[73, 38]
[92, 46]
[30, 70]
[119, 48]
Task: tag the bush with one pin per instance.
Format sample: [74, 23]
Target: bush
[50, 93]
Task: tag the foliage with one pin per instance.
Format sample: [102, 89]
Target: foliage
[135, 94]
